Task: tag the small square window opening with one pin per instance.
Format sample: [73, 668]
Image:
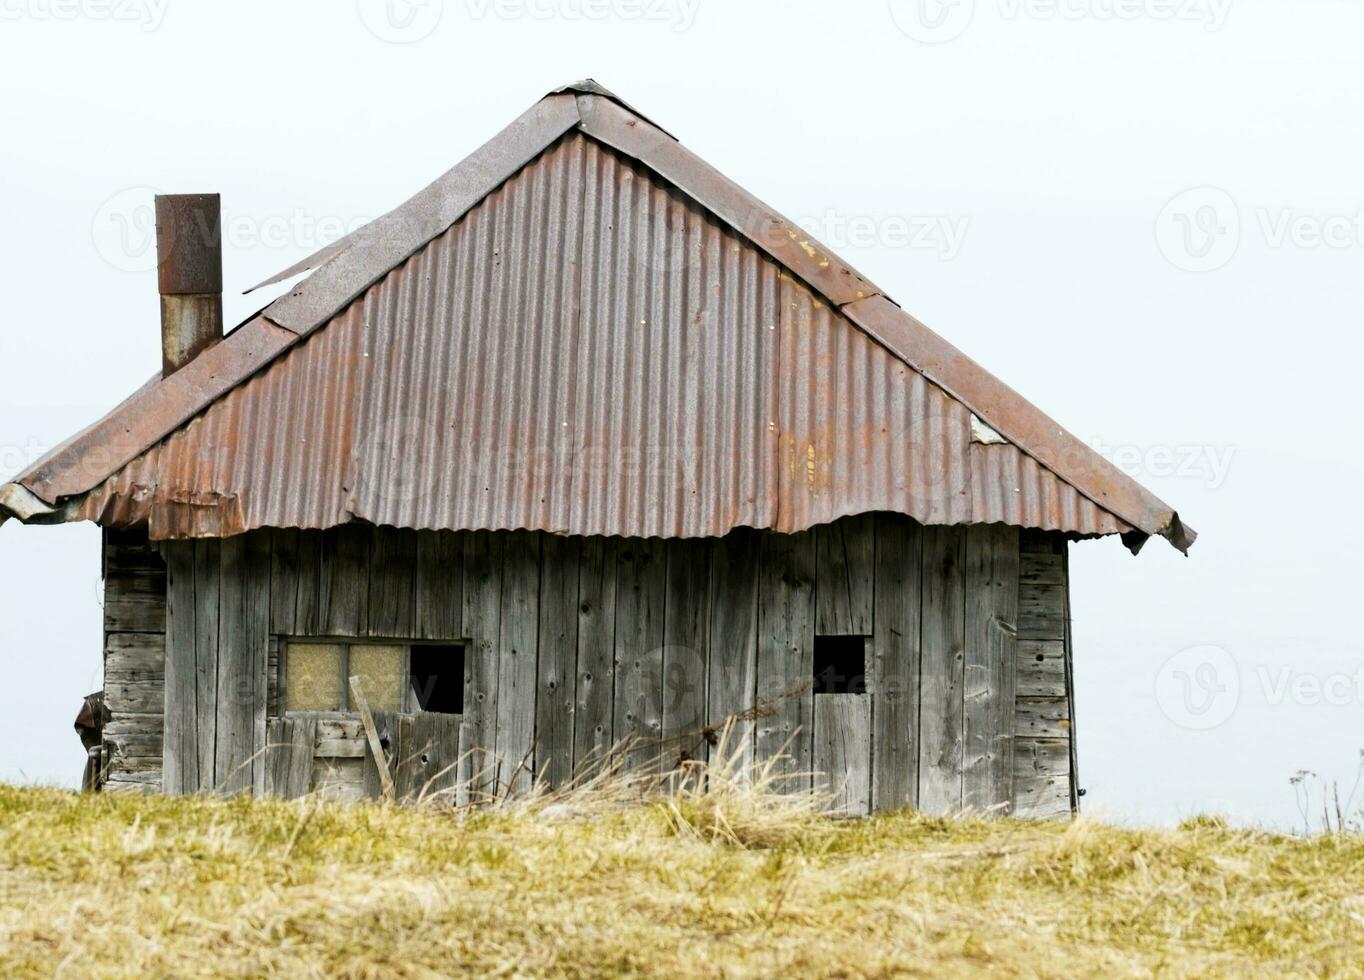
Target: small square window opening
[438, 678]
[840, 665]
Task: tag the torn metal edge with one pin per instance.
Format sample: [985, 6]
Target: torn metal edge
[19, 502]
[982, 433]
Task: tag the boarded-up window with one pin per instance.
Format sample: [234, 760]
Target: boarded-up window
[381, 670]
[394, 676]
[314, 672]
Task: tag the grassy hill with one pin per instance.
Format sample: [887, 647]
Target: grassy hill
[690, 885]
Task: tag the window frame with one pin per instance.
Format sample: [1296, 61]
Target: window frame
[409, 703]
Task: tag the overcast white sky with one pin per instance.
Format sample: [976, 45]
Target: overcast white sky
[1142, 214]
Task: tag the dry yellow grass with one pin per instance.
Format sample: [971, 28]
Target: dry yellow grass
[713, 883]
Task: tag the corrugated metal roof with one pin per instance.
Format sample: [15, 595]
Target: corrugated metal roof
[587, 351]
[583, 328]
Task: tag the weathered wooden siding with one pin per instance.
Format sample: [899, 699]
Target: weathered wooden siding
[1043, 755]
[134, 655]
[573, 645]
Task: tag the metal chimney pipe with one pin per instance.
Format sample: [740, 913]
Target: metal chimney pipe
[189, 265]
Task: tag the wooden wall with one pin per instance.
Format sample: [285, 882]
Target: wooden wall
[134, 654]
[1044, 746]
[575, 644]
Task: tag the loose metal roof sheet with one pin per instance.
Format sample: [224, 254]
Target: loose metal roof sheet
[582, 329]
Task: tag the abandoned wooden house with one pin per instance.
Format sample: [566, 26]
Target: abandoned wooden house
[581, 447]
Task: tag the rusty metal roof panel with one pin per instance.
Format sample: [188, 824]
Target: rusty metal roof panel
[273, 452]
[1021, 422]
[589, 351]
[1011, 487]
[582, 327]
[593, 369]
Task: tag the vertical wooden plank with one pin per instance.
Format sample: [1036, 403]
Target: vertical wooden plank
[894, 667]
[274, 689]
[257, 606]
[732, 676]
[1004, 660]
[283, 580]
[481, 618]
[440, 585]
[207, 588]
[842, 751]
[520, 621]
[411, 768]
[558, 658]
[289, 757]
[277, 760]
[393, 583]
[978, 694]
[465, 762]
[641, 570]
[408, 738]
[235, 702]
[180, 751]
[345, 580]
[844, 560]
[436, 762]
[942, 638]
[1073, 775]
[243, 650]
[308, 618]
[989, 667]
[786, 631]
[686, 636]
[595, 695]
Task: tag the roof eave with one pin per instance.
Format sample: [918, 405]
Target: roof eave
[1018, 420]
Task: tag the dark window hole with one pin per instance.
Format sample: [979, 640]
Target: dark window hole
[438, 678]
[840, 665]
